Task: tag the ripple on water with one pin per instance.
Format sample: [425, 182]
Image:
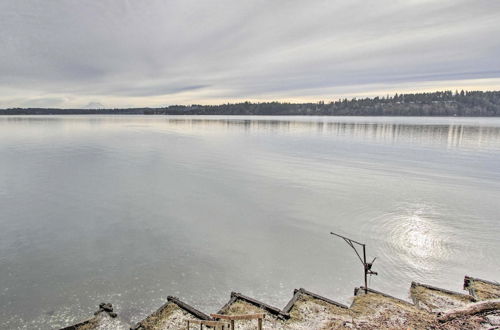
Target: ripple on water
[414, 241]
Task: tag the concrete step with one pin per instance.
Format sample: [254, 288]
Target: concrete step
[482, 289]
[240, 304]
[379, 310]
[172, 315]
[308, 310]
[433, 299]
[104, 318]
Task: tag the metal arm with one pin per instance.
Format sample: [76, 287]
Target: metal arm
[366, 265]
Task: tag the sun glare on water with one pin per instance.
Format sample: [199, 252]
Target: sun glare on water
[415, 239]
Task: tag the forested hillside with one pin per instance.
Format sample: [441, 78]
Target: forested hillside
[445, 103]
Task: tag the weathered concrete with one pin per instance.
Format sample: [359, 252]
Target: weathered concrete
[482, 289]
[379, 310]
[240, 304]
[432, 308]
[104, 319]
[172, 315]
[433, 299]
[308, 310]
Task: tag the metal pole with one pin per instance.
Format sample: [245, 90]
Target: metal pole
[366, 269]
[366, 266]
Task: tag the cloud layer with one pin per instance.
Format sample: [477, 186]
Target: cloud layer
[152, 53]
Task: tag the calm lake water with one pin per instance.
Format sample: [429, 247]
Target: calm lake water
[131, 209]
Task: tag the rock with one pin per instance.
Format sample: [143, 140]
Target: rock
[106, 307]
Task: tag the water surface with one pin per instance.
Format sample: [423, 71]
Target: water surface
[131, 209]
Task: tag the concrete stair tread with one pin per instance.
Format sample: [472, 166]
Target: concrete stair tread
[311, 311]
[240, 304]
[102, 319]
[172, 315]
[482, 289]
[376, 309]
[257, 305]
[435, 300]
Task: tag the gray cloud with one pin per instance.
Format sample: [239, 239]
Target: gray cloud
[159, 52]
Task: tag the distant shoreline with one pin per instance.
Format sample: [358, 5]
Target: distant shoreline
[436, 104]
[235, 115]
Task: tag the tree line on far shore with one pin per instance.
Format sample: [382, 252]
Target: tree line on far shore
[443, 103]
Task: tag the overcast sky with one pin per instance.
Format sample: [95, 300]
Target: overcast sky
[74, 53]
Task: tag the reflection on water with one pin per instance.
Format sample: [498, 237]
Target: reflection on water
[448, 132]
[419, 239]
[416, 240]
[130, 209]
[476, 133]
